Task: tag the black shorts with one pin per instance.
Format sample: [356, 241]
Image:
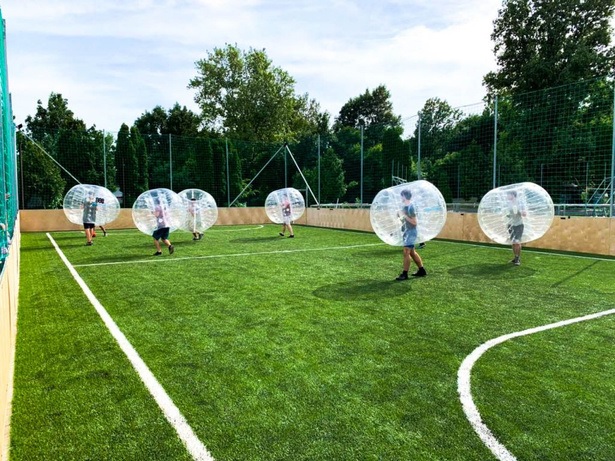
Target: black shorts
[515, 232]
[89, 225]
[161, 234]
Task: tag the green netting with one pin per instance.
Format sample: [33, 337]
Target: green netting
[8, 163]
[560, 138]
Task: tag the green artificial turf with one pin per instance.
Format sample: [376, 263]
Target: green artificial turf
[307, 349]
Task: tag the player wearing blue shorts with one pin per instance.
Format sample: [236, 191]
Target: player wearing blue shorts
[410, 233]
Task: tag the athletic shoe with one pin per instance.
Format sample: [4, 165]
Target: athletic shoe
[401, 277]
[420, 273]
[281, 234]
[200, 235]
[89, 244]
[195, 238]
[517, 262]
[291, 236]
[422, 245]
[158, 253]
[171, 249]
[104, 233]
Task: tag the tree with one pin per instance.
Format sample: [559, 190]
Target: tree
[373, 110]
[42, 185]
[544, 43]
[241, 94]
[437, 121]
[127, 163]
[178, 120]
[80, 151]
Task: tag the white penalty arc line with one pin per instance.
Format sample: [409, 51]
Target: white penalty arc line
[231, 255]
[463, 381]
[195, 447]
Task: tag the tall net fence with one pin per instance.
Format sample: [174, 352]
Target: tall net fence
[8, 164]
[560, 138]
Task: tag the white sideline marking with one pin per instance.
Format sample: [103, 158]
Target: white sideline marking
[463, 381]
[195, 447]
[232, 255]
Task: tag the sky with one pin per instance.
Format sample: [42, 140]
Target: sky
[114, 60]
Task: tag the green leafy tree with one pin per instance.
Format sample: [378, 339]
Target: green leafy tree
[243, 95]
[543, 43]
[81, 152]
[373, 110]
[178, 120]
[42, 185]
[127, 166]
[437, 122]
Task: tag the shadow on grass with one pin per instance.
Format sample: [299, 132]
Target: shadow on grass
[357, 290]
[492, 271]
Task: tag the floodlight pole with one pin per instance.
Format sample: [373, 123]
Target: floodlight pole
[418, 163]
[105, 157]
[612, 197]
[361, 194]
[318, 168]
[261, 170]
[170, 163]
[495, 139]
[228, 175]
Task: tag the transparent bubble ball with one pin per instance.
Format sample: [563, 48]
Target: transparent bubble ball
[388, 204]
[499, 209]
[157, 208]
[92, 204]
[201, 210]
[275, 204]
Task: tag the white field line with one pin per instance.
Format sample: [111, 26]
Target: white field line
[195, 447]
[463, 381]
[231, 255]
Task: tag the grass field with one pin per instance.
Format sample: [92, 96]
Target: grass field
[307, 349]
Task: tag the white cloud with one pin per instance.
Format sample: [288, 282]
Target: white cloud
[114, 60]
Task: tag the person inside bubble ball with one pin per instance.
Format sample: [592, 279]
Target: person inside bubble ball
[89, 217]
[409, 223]
[162, 230]
[515, 214]
[286, 216]
[193, 208]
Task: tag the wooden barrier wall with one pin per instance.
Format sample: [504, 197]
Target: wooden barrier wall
[577, 234]
[9, 287]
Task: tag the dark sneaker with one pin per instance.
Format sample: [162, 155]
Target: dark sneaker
[104, 233]
[420, 273]
[281, 234]
[421, 246]
[171, 249]
[517, 262]
[401, 277]
[291, 236]
[89, 244]
[195, 238]
[158, 253]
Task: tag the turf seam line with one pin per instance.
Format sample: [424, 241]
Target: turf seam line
[173, 415]
[232, 255]
[463, 381]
